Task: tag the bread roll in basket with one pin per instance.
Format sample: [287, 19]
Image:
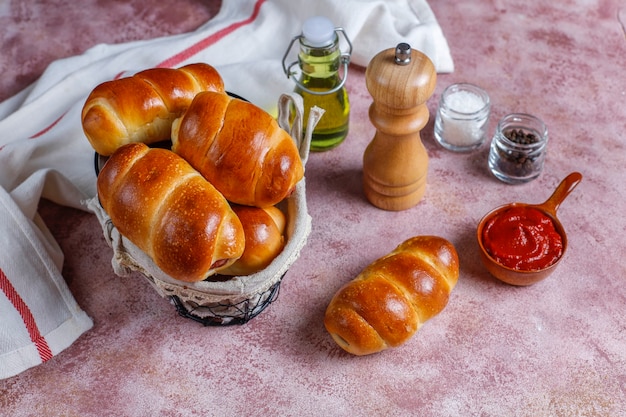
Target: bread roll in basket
[234, 300]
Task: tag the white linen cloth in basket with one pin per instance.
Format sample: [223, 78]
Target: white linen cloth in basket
[43, 150]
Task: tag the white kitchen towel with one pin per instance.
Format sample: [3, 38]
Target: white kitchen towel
[38, 315]
[40, 129]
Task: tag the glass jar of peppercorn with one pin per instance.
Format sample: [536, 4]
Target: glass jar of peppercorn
[518, 148]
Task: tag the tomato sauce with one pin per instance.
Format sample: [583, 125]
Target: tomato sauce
[522, 238]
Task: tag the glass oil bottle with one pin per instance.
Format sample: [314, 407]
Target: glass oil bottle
[318, 80]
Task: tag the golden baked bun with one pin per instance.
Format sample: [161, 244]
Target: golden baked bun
[391, 298]
[264, 230]
[168, 210]
[239, 148]
[141, 108]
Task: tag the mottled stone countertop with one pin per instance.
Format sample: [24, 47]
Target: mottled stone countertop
[557, 348]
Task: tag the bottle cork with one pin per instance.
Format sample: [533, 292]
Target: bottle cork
[395, 163]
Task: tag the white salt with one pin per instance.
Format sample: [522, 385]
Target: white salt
[459, 125]
[464, 102]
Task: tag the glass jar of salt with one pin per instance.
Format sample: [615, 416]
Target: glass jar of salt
[462, 118]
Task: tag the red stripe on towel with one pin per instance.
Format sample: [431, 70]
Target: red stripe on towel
[27, 317]
[41, 132]
[210, 40]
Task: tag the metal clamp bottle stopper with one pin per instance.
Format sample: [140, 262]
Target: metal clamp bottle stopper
[344, 59]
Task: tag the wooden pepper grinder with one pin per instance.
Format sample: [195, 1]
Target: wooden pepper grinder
[395, 163]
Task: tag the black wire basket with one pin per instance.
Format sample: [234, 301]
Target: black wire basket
[221, 314]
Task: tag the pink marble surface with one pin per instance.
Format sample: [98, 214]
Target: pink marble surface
[557, 348]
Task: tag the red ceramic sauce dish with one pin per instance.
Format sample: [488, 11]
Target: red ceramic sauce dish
[522, 244]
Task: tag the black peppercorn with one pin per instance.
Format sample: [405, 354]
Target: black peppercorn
[517, 150]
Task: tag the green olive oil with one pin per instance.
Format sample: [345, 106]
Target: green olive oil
[320, 72]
